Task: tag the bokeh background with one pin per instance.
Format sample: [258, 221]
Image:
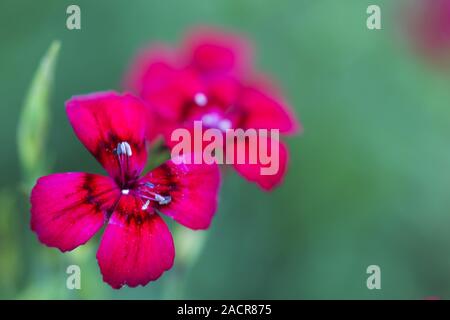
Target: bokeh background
[369, 179]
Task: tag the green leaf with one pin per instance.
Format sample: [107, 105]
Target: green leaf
[34, 118]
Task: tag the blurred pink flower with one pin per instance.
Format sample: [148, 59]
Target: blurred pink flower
[211, 79]
[428, 23]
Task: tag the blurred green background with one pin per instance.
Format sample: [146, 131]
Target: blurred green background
[369, 179]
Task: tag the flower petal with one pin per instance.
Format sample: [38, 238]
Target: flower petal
[215, 51]
[140, 70]
[170, 91]
[252, 172]
[103, 120]
[158, 76]
[223, 91]
[264, 111]
[193, 189]
[137, 246]
[67, 209]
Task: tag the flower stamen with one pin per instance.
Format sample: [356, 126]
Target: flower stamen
[124, 148]
[144, 193]
[146, 204]
[200, 99]
[123, 152]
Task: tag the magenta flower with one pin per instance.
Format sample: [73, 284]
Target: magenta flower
[210, 80]
[69, 208]
[428, 23]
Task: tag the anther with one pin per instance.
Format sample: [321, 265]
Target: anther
[124, 148]
[149, 184]
[163, 200]
[125, 191]
[146, 204]
[200, 99]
